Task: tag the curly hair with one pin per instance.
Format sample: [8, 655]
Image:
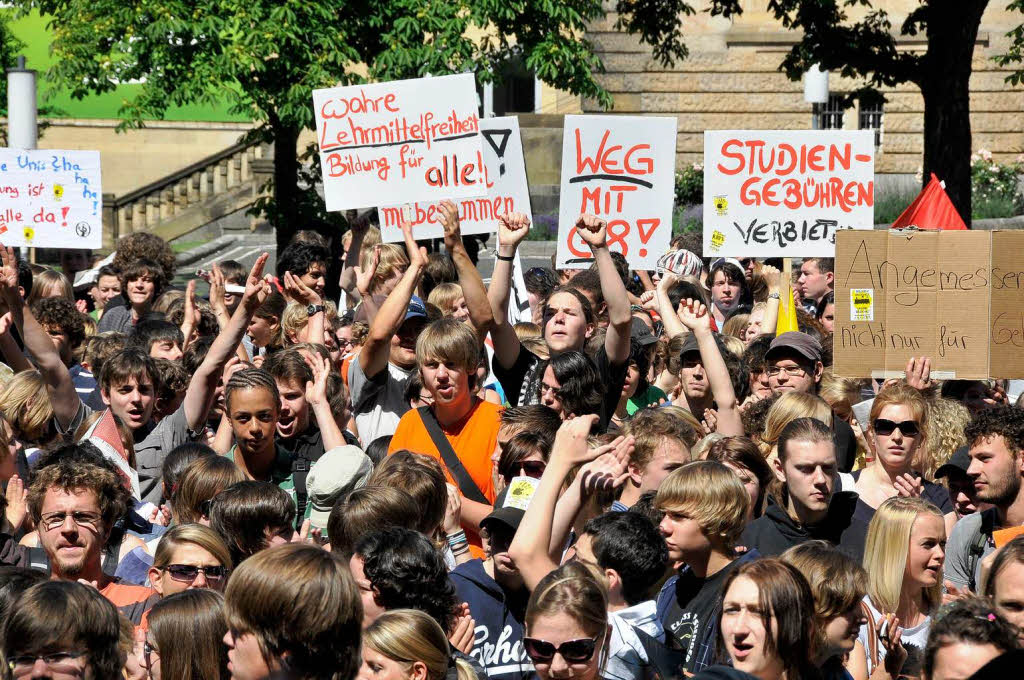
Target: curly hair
[1005, 421]
[407, 572]
[297, 258]
[60, 313]
[68, 475]
[946, 422]
[145, 245]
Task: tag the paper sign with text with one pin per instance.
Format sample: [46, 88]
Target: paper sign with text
[399, 142]
[51, 199]
[785, 193]
[504, 172]
[954, 296]
[621, 169]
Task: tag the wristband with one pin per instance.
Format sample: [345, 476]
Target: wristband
[457, 538]
[506, 258]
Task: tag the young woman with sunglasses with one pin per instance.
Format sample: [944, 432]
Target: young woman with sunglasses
[567, 624]
[407, 644]
[896, 431]
[185, 638]
[190, 556]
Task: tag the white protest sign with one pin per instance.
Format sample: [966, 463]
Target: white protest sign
[785, 193]
[504, 172]
[51, 198]
[519, 302]
[621, 169]
[400, 141]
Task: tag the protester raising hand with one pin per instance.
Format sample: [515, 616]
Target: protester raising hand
[450, 225]
[694, 315]
[512, 229]
[17, 504]
[316, 397]
[8, 270]
[365, 276]
[593, 230]
[919, 373]
[480, 312]
[300, 292]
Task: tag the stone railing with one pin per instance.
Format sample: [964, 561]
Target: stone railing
[191, 197]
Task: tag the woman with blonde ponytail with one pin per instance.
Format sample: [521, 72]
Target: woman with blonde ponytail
[407, 644]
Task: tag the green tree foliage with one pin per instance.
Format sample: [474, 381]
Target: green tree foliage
[9, 47]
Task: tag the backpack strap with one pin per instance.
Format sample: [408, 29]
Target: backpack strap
[458, 471]
[977, 547]
[300, 470]
[872, 650]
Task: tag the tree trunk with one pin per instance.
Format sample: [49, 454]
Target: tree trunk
[287, 219]
[945, 85]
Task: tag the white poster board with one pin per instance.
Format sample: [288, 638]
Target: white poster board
[51, 198]
[785, 193]
[621, 169]
[504, 171]
[519, 301]
[400, 141]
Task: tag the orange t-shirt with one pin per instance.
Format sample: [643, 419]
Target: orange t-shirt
[474, 439]
[131, 600]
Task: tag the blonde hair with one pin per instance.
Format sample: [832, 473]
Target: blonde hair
[26, 405]
[295, 318]
[166, 300]
[734, 345]
[684, 415]
[200, 481]
[50, 283]
[536, 345]
[392, 259]
[410, 635]
[901, 394]
[527, 329]
[736, 326]
[886, 548]
[947, 420]
[710, 493]
[786, 409]
[194, 534]
[701, 448]
[449, 340]
[575, 589]
[840, 393]
[444, 296]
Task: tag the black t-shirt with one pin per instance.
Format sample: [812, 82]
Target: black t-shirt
[693, 611]
[930, 491]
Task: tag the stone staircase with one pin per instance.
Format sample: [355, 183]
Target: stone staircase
[217, 186]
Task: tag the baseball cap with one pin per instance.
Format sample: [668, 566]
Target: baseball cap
[727, 260]
[641, 332]
[801, 343]
[958, 462]
[416, 308]
[689, 345]
[681, 263]
[339, 471]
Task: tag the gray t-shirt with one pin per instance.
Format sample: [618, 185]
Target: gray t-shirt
[378, 403]
[962, 540]
[150, 448]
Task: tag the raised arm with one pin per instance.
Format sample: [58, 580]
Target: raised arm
[373, 358]
[773, 278]
[63, 397]
[351, 263]
[480, 312]
[13, 355]
[316, 397]
[201, 389]
[695, 317]
[304, 295]
[669, 318]
[512, 229]
[594, 231]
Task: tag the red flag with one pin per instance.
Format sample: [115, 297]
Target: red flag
[105, 435]
[932, 209]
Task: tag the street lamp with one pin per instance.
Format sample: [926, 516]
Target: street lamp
[816, 92]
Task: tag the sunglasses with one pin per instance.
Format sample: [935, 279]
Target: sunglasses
[573, 651]
[186, 573]
[886, 427]
[533, 468]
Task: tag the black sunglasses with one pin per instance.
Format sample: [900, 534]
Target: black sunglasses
[533, 468]
[886, 427]
[573, 651]
[186, 573]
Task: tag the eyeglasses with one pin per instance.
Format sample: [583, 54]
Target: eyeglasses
[61, 662]
[186, 573]
[147, 651]
[54, 520]
[555, 391]
[533, 468]
[573, 651]
[884, 427]
[791, 371]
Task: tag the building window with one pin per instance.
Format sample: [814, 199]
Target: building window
[870, 118]
[830, 115]
[515, 91]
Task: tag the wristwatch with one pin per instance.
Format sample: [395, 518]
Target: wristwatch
[774, 296]
[313, 309]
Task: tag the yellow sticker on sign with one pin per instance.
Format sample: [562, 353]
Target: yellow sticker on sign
[721, 204]
[717, 240]
[862, 304]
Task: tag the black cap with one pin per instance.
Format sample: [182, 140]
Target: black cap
[641, 332]
[508, 517]
[958, 462]
[689, 345]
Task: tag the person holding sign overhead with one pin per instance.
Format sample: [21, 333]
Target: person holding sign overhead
[568, 316]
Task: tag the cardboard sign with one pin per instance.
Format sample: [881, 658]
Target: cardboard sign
[401, 141]
[954, 296]
[785, 193]
[51, 199]
[504, 174]
[621, 169]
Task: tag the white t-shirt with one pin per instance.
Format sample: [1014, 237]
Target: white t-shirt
[912, 637]
[378, 403]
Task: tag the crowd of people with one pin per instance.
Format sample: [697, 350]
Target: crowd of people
[644, 480]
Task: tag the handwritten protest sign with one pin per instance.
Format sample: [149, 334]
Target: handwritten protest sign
[401, 141]
[785, 193]
[51, 199]
[504, 172]
[622, 169]
[955, 296]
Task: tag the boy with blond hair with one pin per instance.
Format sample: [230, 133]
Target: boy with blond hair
[705, 509]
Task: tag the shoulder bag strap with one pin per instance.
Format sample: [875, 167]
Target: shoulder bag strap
[872, 650]
[458, 471]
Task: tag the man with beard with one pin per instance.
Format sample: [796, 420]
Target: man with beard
[75, 507]
[996, 441]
